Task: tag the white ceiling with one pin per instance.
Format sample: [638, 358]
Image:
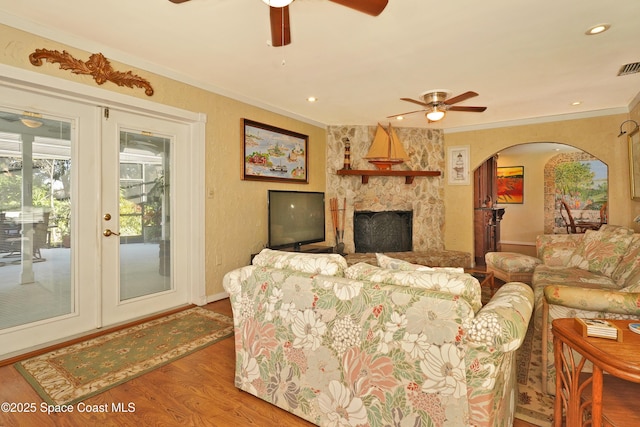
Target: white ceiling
[528, 60]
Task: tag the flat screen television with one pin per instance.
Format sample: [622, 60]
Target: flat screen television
[295, 218]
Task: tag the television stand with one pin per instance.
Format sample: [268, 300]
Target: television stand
[312, 249]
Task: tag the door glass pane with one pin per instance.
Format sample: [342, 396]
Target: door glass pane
[145, 256]
[35, 218]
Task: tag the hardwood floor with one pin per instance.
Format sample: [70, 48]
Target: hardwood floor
[196, 390]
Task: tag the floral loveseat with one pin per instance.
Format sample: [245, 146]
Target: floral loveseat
[372, 346]
[591, 275]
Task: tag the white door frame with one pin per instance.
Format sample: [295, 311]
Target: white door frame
[194, 273]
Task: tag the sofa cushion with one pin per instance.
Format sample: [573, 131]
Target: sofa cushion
[555, 250]
[327, 264]
[460, 284]
[511, 261]
[391, 263]
[627, 273]
[600, 251]
[617, 229]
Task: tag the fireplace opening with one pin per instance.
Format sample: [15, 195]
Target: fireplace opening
[388, 231]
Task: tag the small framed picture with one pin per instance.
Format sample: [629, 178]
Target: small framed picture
[458, 165]
[273, 154]
[511, 184]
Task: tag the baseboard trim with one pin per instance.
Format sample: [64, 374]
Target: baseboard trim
[217, 297]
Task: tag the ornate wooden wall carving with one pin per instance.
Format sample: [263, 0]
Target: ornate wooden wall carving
[97, 66]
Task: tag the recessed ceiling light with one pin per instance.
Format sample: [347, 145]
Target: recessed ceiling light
[399, 118]
[576, 103]
[312, 99]
[597, 29]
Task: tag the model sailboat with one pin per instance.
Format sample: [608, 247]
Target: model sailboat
[386, 149]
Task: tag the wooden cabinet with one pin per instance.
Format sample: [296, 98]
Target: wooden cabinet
[486, 217]
[487, 232]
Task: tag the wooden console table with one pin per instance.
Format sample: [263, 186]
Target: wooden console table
[408, 175]
[612, 398]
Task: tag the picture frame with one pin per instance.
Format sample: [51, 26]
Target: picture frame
[510, 185]
[458, 165]
[270, 153]
[633, 140]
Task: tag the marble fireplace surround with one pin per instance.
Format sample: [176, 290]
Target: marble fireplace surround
[424, 197]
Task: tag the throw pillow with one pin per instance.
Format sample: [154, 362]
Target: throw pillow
[628, 271]
[388, 262]
[555, 250]
[327, 264]
[617, 229]
[463, 284]
[600, 251]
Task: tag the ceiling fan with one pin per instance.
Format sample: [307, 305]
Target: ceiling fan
[436, 104]
[279, 15]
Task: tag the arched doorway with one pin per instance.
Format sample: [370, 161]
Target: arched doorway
[536, 213]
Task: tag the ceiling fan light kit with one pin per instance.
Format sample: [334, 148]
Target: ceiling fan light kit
[435, 115]
[278, 3]
[436, 104]
[31, 123]
[279, 15]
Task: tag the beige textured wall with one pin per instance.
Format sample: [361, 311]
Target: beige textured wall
[236, 214]
[529, 212]
[597, 136]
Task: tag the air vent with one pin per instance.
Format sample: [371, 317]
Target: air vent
[629, 69]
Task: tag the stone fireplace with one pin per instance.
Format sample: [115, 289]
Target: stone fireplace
[388, 231]
[424, 198]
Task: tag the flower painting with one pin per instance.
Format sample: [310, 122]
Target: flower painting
[511, 184]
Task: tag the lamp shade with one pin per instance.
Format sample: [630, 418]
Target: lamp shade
[278, 3]
[31, 122]
[435, 115]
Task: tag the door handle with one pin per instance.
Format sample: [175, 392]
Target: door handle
[108, 233]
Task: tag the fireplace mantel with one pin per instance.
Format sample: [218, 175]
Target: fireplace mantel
[366, 173]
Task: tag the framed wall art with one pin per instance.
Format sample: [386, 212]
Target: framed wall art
[634, 163]
[511, 184]
[458, 165]
[273, 154]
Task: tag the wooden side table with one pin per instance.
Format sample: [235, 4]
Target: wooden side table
[484, 277]
[576, 392]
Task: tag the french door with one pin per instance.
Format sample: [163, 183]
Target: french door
[139, 208]
[93, 217]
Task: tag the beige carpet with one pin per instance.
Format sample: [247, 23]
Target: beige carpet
[533, 406]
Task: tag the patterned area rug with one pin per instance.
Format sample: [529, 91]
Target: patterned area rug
[534, 406]
[71, 374]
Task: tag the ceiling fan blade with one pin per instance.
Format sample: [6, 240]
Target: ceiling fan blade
[460, 98]
[404, 114]
[415, 101]
[370, 7]
[280, 29]
[468, 109]
[178, 1]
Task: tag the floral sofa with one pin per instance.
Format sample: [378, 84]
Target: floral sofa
[590, 275]
[366, 345]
